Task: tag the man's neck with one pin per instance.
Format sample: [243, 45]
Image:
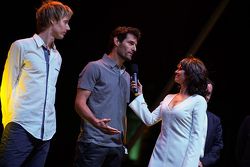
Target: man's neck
[47, 38]
[116, 58]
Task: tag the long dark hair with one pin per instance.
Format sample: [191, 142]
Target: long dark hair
[196, 75]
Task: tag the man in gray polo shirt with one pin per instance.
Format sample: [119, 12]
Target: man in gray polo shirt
[103, 93]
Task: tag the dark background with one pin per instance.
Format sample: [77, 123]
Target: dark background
[169, 30]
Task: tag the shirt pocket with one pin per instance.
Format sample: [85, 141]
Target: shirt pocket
[53, 75]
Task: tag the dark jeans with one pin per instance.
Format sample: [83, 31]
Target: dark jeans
[18, 148]
[92, 155]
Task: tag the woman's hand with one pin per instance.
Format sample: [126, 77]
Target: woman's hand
[138, 86]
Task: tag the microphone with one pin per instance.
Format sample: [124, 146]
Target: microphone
[134, 77]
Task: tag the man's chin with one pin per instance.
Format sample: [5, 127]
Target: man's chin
[60, 37]
[128, 58]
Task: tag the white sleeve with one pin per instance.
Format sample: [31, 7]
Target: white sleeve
[139, 106]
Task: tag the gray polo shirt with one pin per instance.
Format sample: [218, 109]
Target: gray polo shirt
[110, 92]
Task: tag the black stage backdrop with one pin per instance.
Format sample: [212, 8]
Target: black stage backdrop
[170, 29]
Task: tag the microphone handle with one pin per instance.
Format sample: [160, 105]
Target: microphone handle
[135, 79]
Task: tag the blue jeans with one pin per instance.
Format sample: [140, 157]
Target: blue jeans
[92, 155]
[19, 148]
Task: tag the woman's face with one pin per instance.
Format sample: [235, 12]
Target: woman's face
[179, 75]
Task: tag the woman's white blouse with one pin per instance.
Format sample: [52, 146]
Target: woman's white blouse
[183, 130]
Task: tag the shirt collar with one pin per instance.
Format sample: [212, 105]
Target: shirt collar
[111, 63]
[39, 41]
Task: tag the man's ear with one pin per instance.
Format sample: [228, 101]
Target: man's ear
[52, 22]
[116, 41]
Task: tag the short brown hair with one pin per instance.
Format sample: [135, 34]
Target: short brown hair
[121, 33]
[51, 10]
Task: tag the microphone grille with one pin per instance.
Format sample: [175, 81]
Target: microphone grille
[134, 68]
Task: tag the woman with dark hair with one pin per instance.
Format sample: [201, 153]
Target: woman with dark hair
[183, 115]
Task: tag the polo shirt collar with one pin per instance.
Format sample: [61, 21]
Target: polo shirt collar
[111, 62]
